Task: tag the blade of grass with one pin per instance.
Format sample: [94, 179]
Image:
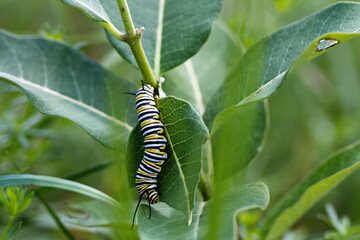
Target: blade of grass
[56, 218]
[79, 174]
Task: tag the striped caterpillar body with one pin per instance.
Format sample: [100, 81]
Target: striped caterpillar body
[155, 142]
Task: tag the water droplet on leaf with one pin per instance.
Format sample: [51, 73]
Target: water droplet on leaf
[326, 43]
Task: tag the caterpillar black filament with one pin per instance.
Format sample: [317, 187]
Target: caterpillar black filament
[155, 142]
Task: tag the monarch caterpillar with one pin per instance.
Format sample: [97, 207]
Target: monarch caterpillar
[154, 141]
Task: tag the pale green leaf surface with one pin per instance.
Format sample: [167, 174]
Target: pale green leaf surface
[59, 183]
[60, 81]
[260, 73]
[93, 214]
[265, 65]
[310, 190]
[202, 75]
[186, 134]
[100, 11]
[13, 231]
[237, 138]
[167, 223]
[174, 30]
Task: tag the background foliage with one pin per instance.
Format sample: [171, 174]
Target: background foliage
[314, 113]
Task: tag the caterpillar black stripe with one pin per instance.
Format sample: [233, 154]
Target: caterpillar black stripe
[155, 142]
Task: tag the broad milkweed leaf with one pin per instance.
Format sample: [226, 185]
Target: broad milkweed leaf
[310, 190]
[60, 81]
[59, 183]
[265, 65]
[202, 75]
[93, 215]
[262, 70]
[167, 223]
[186, 134]
[238, 138]
[174, 30]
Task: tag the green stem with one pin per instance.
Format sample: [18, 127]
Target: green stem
[126, 17]
[8, 226]
[133, 39]
[114, 31]
[55, 217]
[139, 54]
[205, 187]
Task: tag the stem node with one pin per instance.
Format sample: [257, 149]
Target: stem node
[133, 40]
[139, 31]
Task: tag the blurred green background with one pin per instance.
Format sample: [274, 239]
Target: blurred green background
[315, 112]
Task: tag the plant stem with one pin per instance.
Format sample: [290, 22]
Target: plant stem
[205, 187]
[55, 217]
[8, 226]
[126, 17]
[114, 31]
[133, 39]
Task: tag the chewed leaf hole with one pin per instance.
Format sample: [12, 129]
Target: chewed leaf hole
[326, 43]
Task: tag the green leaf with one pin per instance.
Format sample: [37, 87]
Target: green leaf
[60, 81]
[311, 189]
[237, 137]
[174, 30]
[260, 73]
[93, 214]
[265, 65]
[186, 134]
[13, 231]
[80, 174]
[201, 76]
[99, 11]
[15, 199]
[167, 223]
[59, 183]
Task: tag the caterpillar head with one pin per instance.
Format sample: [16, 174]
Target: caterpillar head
[148, 87]
[151, 89]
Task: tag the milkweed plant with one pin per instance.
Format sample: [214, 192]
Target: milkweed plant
[213, 78]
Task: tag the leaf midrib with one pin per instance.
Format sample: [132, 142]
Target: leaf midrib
[194, 80]
[66, 98]
[182, 176]
[197, 221]
[176, 158]
[159, 31]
